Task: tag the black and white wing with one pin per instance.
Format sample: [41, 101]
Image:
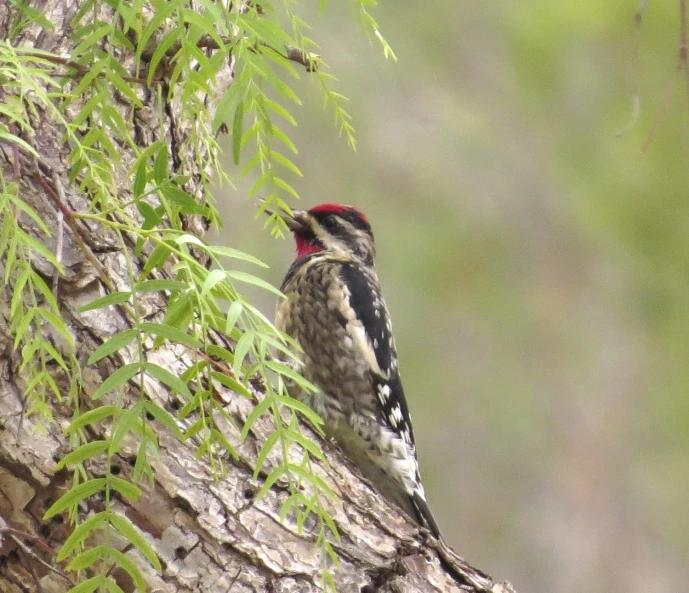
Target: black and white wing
[367, 302]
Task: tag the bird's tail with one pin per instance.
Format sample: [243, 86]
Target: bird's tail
[424, 515]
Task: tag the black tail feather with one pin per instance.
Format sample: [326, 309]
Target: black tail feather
[424, 515]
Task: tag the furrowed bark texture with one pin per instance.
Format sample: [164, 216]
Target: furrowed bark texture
[210, 534]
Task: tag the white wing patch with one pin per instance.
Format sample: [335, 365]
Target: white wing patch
[383, 393]
[396, 417]
[358, 334]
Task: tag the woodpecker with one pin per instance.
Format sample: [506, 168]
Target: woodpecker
[334, 309]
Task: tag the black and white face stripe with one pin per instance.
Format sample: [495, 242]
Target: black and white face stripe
[331, 220]
[344, 231]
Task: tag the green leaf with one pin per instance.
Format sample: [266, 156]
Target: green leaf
[305, 442]
[222, 251]
[237, 127]
[298, 406]
[82, 453]
[115, 343]
[133, 535]
[112, 586]
[166, 43]
[180, 311]
[157, 259]
[162, 12]
[261, 408]
[280, 110]
[165, 376]
[250, 279]
[130, 567]
[75, 496]
[212, 280]
[108, 300]
[228, 103]
[140, 179]
[273, 477]
[282, 184]
[170, 333]
[267, 31]
[160, 166]
[230, 383]
[95, 70]
[88, 557]
[284, 370]
[125, 425]
[232, 317]
[164, 417]
[12, 139]
[295, 499]
[267, 447]
[219, 437]
[194, 240]
[29, 211]
[317, 481]
[91, 417]
[117, 379]
[194, 429]
[90, 585]
[142, 468]
[152, 217]
[92, 39]
[126, 489]
[57, 323]
[220, 352]
[285, 162]
[333, 528]
[285, 139]
[81, 532]
[241, 350]
[182, 199]
[160, 285]
[22, 326]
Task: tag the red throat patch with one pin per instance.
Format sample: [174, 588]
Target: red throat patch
[304, 248]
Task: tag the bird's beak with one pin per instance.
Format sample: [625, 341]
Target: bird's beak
[296, 222]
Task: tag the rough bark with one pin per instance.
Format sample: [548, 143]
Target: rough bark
[210, 534]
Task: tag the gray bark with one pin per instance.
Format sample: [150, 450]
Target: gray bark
[210, 534]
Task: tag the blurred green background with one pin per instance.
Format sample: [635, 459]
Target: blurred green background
[536, 266]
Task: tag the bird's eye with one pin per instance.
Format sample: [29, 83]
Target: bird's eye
[330, 222]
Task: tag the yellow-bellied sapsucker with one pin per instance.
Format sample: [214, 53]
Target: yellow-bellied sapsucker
[335, 311]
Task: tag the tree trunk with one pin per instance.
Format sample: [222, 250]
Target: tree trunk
[209, 534]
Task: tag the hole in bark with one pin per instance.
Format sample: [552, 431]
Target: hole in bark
[181, 553]
[150, 417]
[44, 530]
[175, 405]
[183, 504]
[115, 470]
[58, 520]
[249, 492]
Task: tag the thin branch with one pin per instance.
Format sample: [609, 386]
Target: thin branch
[83, 70]
[307, 59]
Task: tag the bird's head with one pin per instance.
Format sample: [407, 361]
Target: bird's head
[332, 227]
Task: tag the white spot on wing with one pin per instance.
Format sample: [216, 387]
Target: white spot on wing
[396, 416]
[383, 393]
